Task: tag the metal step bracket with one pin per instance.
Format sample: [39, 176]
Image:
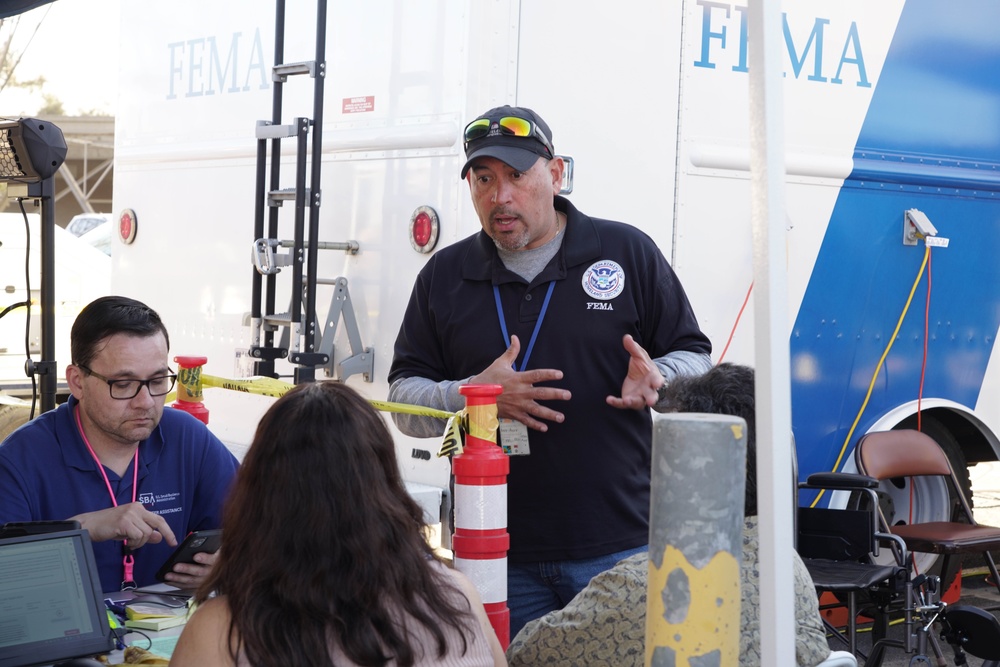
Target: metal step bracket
[362, 359]
[267, 130]
[291, 332]
[280, 73]
[276, 197]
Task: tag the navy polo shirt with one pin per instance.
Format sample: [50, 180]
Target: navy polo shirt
[584, 489]
[47, 473]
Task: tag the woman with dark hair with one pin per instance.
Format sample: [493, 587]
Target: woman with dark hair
[324, 558]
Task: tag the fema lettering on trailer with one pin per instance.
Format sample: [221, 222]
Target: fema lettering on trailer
[810, 50]
[209, 66]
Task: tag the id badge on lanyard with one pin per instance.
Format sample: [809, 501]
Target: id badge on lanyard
[514, 434]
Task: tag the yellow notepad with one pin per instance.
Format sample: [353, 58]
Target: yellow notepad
[154, 617]
[140, 610]
[161, 623]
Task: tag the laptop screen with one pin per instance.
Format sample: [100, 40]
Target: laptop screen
[51, 607]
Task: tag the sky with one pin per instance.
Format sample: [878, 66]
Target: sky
[74, 45]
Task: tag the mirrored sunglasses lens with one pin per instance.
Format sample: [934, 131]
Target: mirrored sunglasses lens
[516, 126]
[477, 129]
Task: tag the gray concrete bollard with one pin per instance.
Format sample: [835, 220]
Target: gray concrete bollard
[695, 540]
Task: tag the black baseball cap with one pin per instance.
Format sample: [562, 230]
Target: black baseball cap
[518, 151]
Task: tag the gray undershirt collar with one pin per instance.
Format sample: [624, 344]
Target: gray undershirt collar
[529, 263]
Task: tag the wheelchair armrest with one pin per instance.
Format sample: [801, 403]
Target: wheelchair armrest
[861, 484]
[898, 549]
[846, 481]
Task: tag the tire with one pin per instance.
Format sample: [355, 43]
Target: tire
[933, 499]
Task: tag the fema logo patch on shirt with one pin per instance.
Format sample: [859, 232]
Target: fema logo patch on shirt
[604, 280]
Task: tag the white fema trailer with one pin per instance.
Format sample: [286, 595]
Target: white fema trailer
[81, 273]
[892, 151]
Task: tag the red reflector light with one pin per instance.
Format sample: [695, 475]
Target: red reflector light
[424, 229]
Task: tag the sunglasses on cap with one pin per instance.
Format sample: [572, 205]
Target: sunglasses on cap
[511, 126]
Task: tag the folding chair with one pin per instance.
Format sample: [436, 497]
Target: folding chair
[838, 547]
[908, 453]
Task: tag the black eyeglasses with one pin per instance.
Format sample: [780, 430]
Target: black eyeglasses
[123, 390]
[510, 125]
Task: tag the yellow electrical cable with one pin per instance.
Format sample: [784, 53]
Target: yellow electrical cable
[878, 367]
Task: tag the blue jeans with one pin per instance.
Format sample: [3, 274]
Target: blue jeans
[536, 588]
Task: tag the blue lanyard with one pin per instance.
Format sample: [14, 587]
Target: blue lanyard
[538, 324]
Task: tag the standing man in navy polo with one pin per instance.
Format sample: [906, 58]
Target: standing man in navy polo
[136, 476]
[583, 322]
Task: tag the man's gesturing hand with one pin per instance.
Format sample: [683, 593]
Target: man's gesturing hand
[520, 396]
[641, 382]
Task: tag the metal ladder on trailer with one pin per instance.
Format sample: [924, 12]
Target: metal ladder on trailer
[300, 341]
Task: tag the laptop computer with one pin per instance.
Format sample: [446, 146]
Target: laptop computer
[51, 607]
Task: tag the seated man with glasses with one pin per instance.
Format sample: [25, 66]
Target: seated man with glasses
[137, 477]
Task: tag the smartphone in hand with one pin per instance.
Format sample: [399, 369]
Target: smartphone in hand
[200, 541]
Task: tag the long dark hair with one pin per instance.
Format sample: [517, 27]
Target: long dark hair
[322, 543]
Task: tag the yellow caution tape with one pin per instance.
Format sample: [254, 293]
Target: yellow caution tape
[452, 443]
[417, 410]
[265, 386]
[189, 381]
[454, 430]
[483, 422]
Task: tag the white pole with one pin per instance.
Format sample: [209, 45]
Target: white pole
[771, 335]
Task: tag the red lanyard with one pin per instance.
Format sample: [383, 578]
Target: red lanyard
[128, 561]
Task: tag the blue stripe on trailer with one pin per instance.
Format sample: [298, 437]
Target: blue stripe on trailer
[930, 140]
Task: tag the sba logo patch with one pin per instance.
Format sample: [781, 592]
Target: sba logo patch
[604, 280]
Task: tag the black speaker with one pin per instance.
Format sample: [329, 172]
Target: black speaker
[30, 150]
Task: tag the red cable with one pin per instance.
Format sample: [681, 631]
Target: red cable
[735, 324]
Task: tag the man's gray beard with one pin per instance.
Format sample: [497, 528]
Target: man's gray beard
[521, 241]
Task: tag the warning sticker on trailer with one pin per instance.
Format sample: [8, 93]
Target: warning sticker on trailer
[359, 104]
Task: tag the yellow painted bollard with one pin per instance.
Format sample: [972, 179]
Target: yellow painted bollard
[695, 541]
